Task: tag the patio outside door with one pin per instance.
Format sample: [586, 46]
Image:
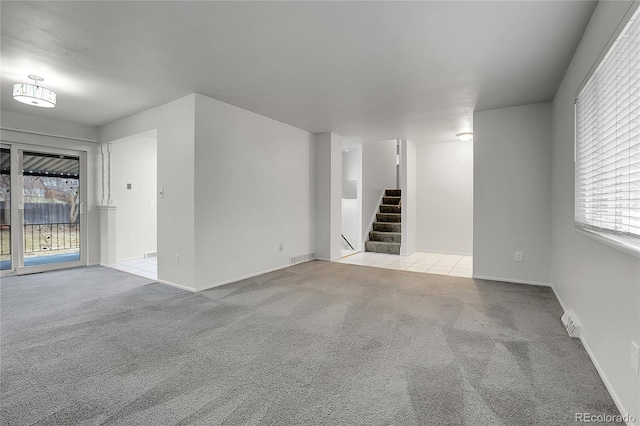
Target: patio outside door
[42, 227]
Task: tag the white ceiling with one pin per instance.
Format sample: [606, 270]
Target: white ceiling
[364, 70]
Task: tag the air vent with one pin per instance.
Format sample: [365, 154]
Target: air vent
[571, 324]
[302, 258]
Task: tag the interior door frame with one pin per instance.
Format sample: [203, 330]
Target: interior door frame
[17, 216]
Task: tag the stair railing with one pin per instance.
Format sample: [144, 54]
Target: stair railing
[347, 241]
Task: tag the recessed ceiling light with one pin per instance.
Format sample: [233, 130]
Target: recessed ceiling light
[465, 136]
[32, 94]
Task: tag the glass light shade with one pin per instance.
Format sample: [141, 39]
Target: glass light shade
[465, 136]
[31, 94]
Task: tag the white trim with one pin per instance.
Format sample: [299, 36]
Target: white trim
[511, 280]
[564, 308]
[46, 267]
[244, 277]
[610, 241]
[624, 413]
[443, 252]
[130, 258]
[169, 283]
[71, 138]
[596, 364]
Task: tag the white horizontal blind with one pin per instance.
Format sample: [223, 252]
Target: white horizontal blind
[608, 141]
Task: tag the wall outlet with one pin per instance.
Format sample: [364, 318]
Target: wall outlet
[519, 256]
[176, 259]
[281, 248]
[161, 192]
[635, 356]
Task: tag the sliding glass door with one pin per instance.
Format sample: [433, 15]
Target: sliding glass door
[5, 208]
[51, 213]
[43, 228]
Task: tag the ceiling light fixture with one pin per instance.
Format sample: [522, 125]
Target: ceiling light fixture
[465, 136]
[32, 94]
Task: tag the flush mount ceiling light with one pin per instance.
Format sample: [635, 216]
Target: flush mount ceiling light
[465, 136]
[32, 94]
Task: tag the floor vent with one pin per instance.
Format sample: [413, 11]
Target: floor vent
[150, 253]
[571, 324]
[302, 258]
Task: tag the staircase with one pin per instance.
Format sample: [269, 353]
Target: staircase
[385, 237]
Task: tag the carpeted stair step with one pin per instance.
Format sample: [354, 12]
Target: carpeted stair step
[388, 217]
[390, 208]
[387, 226]
[391, 200]
[382, 247]
[385, 237]
[393, 192]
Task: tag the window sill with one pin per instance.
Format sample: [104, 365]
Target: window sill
[611, 241]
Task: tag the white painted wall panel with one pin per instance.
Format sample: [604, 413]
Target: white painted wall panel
[445, 197]
[512, 193]
[599, 283]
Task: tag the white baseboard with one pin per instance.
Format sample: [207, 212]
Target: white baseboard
[455, 253]
[180, 286]
[511, 280]
[244, 277]
[129, 258]
[616, 400]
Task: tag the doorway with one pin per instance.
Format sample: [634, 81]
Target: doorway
[41, 209]
[134, 193]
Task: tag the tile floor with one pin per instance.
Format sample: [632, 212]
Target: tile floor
[432, 263]
[145, 267]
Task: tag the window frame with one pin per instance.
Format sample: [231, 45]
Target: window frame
[629, 244]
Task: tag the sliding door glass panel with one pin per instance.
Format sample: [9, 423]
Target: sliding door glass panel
[51, 195]
[5, 209]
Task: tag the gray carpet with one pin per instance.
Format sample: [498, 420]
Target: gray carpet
[317, 343]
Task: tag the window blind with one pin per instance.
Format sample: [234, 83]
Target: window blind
[607, 172]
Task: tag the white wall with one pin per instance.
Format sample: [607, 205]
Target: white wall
[408, 177]
[350, 174]
[378, 174]
[512, 193]
[175, 124]
[445, 197]
[599, 283]
[134, 161]
[255, 187]
[13, 120]
[328, 158]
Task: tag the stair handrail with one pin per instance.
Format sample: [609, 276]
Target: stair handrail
[343, 237]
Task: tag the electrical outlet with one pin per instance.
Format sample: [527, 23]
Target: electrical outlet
[176, 259]
[161, 192]
[519, 256]
[635, 356]
[281, 248]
